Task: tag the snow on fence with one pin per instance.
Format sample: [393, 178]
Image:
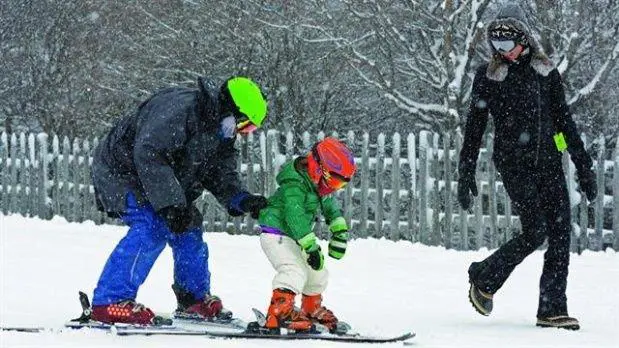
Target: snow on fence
[405, 188]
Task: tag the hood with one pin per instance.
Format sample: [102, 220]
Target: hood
[513, 15]
[208, 102]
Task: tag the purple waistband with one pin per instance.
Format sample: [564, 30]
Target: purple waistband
[271, 230]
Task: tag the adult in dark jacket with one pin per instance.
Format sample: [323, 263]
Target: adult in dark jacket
[522, 90]
[149, 169]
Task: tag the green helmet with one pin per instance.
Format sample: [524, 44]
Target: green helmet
[248, 98]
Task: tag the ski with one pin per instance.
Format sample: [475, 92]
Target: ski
[357, 338]
[23, 329]
[220, 328]
[162, 323]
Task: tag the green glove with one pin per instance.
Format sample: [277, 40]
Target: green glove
[315, 258]
[339, 238]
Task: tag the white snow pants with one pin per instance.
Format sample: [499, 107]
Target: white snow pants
[290, 263]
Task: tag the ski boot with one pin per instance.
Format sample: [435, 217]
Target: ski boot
[282, 314]
[126, 312]
[481, 301]
[311, 306]
[209, 308]
[560, 321]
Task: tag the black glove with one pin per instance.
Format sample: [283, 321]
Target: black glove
[315, 258]
[253, 204]
[178, 217]
[466, 184]
[588, 184]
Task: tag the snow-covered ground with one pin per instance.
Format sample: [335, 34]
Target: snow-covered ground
[381, 287]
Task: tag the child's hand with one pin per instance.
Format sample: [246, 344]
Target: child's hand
[339, 238]
[338, 243]
[315, 258]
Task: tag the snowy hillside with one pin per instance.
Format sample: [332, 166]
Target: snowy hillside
[380, 287]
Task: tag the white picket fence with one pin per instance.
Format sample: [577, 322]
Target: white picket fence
[404, 190]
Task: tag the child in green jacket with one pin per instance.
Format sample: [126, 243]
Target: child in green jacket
[305, 185]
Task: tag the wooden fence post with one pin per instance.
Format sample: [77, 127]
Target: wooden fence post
[424, 150]
[64, 178]
[616, 196]
[44, 207]
[55, 189]
[14, 167]
[365, 185]
[85, 174]
[379, 180]
[6, 165]
[462, 214]
[436, 237]
[448, 176]
[599, 202]
[76, 181]
[249, 150]
[33, 182]
[23, 177]
[289, 146]
[348, 192]
[394, 225]
[237, 222]
[584, 214]
[412, 189]
[264, 169]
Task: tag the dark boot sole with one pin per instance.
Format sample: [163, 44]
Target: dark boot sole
[559, 325]
[478, 307]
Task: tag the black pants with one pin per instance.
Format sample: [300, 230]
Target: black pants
[541, 199]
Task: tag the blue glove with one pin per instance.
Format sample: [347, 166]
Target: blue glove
[244, 202]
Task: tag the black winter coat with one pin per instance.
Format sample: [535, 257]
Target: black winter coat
[167, 153]
[527, 109]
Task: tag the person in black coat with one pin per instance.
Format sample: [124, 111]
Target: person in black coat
[149, 169]
[523, 92]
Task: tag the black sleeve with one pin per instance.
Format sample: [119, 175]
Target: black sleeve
[222, 180]
[475, 127]
[562, 119]
[160, 132]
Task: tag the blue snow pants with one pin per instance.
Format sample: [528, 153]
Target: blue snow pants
[132, 259]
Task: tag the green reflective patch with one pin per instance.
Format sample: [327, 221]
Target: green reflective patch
[560, 142]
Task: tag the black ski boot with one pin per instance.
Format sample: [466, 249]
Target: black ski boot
[481, 301]
[560, 321]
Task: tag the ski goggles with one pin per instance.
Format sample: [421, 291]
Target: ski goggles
[245, 127]
[503, 46]
[334, 180]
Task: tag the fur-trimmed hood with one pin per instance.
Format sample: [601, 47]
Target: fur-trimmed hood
[514, 16]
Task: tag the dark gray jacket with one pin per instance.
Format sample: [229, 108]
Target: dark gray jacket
[167, 152]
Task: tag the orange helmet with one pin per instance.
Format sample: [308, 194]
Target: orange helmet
[330, 165]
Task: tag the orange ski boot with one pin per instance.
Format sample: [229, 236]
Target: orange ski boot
[311, 306]
[282, 313]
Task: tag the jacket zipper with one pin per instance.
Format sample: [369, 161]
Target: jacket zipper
[539, 118]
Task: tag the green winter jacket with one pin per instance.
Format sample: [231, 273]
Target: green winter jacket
[293, 207]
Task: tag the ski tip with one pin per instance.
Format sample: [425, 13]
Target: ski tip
[407, 338]
[22, 329]
[260, 317]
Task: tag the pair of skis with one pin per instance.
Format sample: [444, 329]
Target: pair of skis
[223, 328]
